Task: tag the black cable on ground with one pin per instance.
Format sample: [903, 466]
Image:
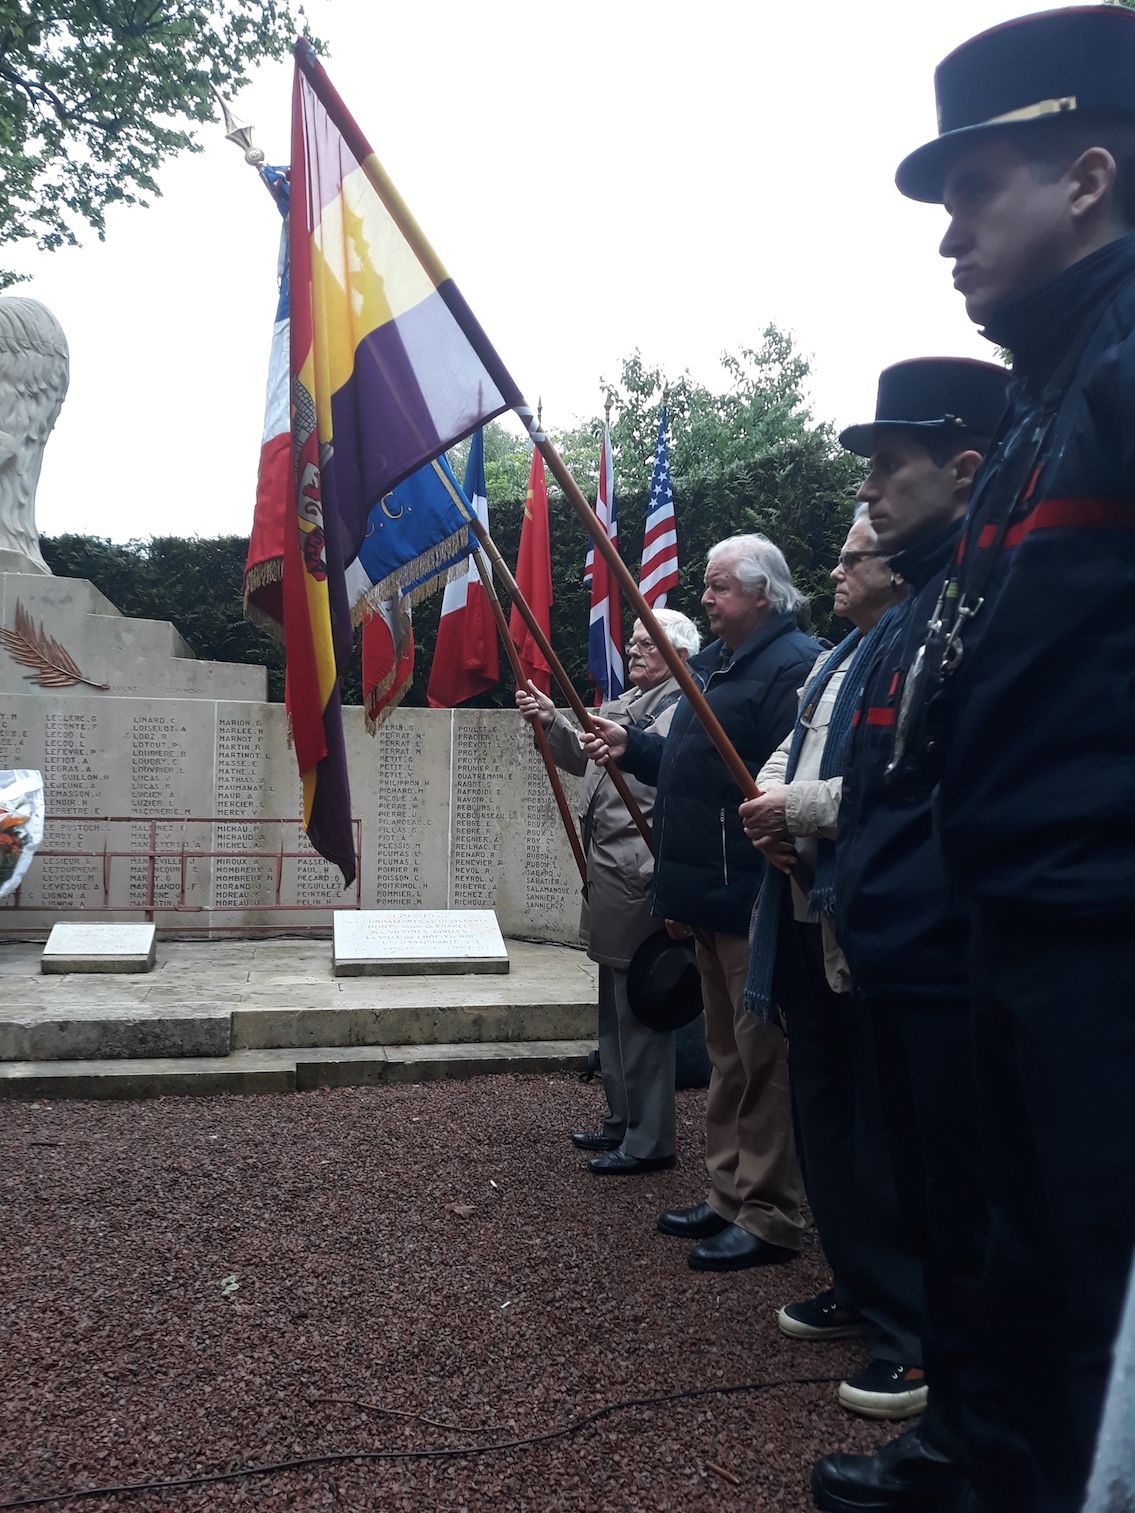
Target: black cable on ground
[274, 1468]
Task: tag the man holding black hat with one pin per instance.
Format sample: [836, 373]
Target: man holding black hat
[1024, 714]
[904, 938]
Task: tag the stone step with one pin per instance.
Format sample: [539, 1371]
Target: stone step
[285, 1071]
[105, 1031]
[208, 1000]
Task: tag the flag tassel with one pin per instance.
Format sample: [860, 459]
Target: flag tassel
[538, 729]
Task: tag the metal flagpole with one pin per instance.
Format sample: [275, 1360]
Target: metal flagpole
[538, 730]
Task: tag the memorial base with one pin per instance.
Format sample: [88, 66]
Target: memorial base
[404, 942]
[99, 948]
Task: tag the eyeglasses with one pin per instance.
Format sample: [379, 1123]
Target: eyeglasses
[849, 561]
[643, 645]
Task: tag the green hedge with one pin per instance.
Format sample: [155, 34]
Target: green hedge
[798, 493]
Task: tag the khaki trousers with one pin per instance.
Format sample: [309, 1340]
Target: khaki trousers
[749, 1150]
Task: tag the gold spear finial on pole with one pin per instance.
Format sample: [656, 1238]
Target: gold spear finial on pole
[608, 405]
[540, 413]
[665, 393]
[239, 132]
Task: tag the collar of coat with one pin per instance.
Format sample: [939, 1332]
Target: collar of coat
[638, 706]
[923, 561]
[1040, 327]
[715, 657]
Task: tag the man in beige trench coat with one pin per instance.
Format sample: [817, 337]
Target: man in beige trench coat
[637, 1063]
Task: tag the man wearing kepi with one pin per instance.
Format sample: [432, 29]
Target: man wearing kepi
[637, 1063]
[707, 876]
[797, 968]
[1024, 714]
[904, 938]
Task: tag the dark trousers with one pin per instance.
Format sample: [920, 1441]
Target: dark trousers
[844, 1148]
[926, 1077]
[1054, 1002]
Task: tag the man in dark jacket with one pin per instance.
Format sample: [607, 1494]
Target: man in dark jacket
[1031, 729]
[707, 877]
[904, 938]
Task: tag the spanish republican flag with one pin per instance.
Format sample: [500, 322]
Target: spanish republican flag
[534, 578]
[388, 368]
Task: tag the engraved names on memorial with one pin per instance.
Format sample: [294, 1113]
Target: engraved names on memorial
[454, 809]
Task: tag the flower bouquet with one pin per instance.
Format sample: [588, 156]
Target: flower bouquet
[21, 824]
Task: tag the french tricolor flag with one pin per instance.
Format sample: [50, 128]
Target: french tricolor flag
[605, 630]
[466, 658]
[263, 568]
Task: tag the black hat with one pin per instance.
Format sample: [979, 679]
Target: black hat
[934, 394]
[663, 983]
[1074, 62]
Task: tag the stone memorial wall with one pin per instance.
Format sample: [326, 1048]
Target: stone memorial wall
[454, 808]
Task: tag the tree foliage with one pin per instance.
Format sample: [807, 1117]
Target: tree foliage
[748, 458]
[96, 94]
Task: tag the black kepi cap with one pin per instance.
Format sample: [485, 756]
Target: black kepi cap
[927, 394]
[1074, 62]
[663, 983]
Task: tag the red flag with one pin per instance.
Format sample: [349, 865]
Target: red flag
[534, 578]
[466, 660]
[388, 658]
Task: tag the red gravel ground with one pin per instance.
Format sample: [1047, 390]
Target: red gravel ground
[438, 1251]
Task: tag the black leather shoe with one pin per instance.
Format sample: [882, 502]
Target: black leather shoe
[691, 1223]
[906, 1476]
[735, 1248]
[619, 1164]
[594, 1140]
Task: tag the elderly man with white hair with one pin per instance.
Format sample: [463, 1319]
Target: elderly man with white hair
[707, 877]
[637, 1062]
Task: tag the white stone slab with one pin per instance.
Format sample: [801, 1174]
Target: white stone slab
[389, 942]
[82, 947]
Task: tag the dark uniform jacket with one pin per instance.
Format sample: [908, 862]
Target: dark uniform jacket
[706, 870]
[899, 929]
[1037, 794]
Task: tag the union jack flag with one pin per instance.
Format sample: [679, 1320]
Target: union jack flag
[659, 571]
[605, 630]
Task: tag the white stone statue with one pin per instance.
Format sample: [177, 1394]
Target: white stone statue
[34, 370]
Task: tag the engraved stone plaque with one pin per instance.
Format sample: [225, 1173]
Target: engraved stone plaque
[398, 942]
[83, 947]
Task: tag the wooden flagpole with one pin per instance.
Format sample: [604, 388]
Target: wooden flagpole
[541, 739]
[558, 670]
[510, 392]
[728, 752]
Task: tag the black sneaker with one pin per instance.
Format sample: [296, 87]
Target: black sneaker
[885, 1389]
[820, 1318]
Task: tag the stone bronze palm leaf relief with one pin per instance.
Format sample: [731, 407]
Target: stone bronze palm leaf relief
[54, 667]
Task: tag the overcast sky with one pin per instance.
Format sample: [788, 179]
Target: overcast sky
[597, 175]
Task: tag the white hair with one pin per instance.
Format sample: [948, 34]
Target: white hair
[681, 631]
[862, 516]
[760, 568]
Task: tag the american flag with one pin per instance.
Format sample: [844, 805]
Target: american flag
[605, 630]
[659, 572]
